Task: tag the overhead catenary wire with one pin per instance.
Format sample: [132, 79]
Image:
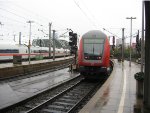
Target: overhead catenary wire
[31, 12]
[26, 19]
[89, 11]
[40, 17]
[27, 11]
[118, 36]
[14, 14]
[92, 16]
[17, 16]
[111, 32]
[37, 20]
[14, 20]
[23, 19]
[85, 14]
[134, 34]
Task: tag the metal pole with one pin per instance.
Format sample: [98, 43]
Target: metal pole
[14, 38]
[142, 42]
[29, 46]
[130, 37]
[147, 59]
[53, 44]
[29, 43]
[130, 43]
[1, 26]
[19, 38]
[50, 24]
[122, 44]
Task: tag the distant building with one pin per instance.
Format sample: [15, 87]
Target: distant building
[118, 41]
[45, 43]
[134, 45]
[127, 44]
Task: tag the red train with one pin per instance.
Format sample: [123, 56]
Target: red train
[94, 54]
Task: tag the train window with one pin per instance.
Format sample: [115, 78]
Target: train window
[93, 48]
[9, 51]
[36, 51]
[93, 41]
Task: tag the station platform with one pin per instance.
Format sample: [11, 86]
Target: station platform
[19, 90]
[6, 65]
[8, 70]
[118, 93]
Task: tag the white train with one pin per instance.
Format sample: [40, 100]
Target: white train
[8, 50]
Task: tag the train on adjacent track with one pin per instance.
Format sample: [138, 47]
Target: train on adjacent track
[7, 51]
[94, 54]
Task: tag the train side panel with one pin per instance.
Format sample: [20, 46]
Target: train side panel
[106, 56]
[80, 51]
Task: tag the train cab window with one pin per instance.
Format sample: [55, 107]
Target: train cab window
[93, 48]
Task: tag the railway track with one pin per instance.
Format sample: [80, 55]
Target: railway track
[67, 100]
[64, 98]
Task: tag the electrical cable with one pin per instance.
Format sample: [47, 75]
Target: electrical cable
[12, 19]
[13, 13]
[17, 15]
[29, 11]
[85, 14]
[89, 11]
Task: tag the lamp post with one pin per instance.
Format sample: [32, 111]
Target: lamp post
[29, 45]
[50, 25]
[142, 44]
[54, 44]
[131, 18]
[1, 25]
[123, 44]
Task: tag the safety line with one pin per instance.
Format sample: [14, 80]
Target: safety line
[122, 101]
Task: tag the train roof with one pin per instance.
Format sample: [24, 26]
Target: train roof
[94, 34]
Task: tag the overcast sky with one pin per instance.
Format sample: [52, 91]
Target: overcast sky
[79, 15]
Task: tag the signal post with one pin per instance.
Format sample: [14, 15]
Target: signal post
[73, 48]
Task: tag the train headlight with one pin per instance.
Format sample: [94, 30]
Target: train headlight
[99, 58]
[85, 57]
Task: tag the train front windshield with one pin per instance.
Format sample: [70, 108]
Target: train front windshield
[93, 48]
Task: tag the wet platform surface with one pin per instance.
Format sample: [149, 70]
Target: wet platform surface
[16, 91]
[118, 94]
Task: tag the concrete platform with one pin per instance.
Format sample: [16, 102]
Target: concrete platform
[16, 91]
[6, 65]
[118, 94]
[8, 70]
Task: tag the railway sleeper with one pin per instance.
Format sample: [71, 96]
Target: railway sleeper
[62, 106]
[69, 97]
[58, 108]
[51, 111]
[63, 103]
[73, 94]
[67, 100]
